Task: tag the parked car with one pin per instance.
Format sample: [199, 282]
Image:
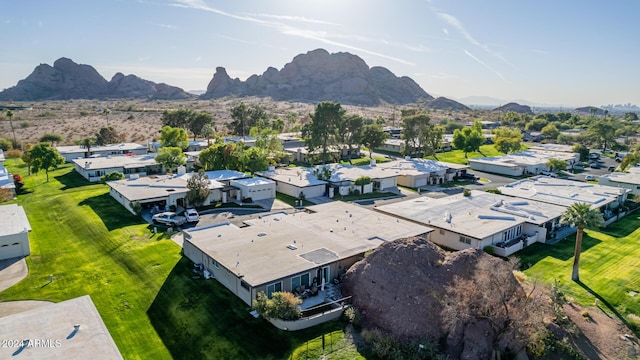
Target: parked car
[612, 168]
[594, 165]
[594, 156]
[191, 215]
[589, 178]
[470, 176]
[168, 218]
[549, 173]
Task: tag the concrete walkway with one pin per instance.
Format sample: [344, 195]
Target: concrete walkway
[12, 271]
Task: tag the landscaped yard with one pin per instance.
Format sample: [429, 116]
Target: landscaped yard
[457, 156]
[143, 288]
[609, 266]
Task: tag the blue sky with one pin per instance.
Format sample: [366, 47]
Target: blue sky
[570, 53]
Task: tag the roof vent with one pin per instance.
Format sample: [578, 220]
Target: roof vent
[262, 234]
[292, 247]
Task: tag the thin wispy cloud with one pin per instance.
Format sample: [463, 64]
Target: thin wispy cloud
[455, 23]
[250, 42]
[286, 29]
[293, 18]
[164, 26]
[445, 31]
[484, 64]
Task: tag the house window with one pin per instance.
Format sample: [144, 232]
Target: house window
[466, 240]
[245, 285]
[299, 280]
[441, 232]
[275, 287]
[216, 265]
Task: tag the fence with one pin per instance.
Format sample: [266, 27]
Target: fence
[322, 345]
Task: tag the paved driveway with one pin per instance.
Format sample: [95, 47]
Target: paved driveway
[12, 271]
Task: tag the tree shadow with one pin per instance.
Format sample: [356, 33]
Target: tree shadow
[201, 319]
[72, 180]
[562, 250]
[606, 303]
[113, 215]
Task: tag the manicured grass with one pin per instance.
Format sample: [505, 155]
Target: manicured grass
[290, 200]
[609, 266]
[457, 156]
[364, 161]
[143, 288]
[335, 348]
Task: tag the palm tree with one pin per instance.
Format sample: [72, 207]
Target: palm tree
[581, 216]
[106, 113]
[10, 116]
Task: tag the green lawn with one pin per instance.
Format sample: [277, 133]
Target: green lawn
[609, 266]
[457, 156]
[141, 285]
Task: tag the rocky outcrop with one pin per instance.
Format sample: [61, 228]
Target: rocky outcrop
[442, 103]
[69, 80]
[318, 76]
[398, 289]
[515, 107]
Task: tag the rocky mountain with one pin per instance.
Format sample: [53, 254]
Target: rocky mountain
[442, 103]
[69, 80]
[317, 76]
[520, 109]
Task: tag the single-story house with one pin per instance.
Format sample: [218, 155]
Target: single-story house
[481, 220]
[167, 190]
[14, 232]
[1, 157]
[343, 178]
[80, 151]
[559, 148]
[256, 188]
[396, 145]
[71, 329]
[523, 163]
[567, 192]
[296, 181]
[417, 172]
[629, 181]
[6, 180]
[131, 166]
[280, 251]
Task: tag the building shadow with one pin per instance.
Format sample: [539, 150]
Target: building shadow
[561, 250]
[71, 180]
[113, 215]
[198, 318]
[623, 227]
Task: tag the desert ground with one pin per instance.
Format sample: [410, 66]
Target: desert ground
[140, 120]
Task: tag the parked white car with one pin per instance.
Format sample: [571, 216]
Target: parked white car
[589, 178]
[191, 215]
[168, 218]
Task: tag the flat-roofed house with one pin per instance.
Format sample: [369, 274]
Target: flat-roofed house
[296, 181]
[80, 151]
[416, 172]
[14, 232]
[131, 166]
[480, 220]
[71, 329]
[528, 162]
[256, 188]
[281, 252]
[630, 180]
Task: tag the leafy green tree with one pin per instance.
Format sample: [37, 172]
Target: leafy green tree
[253, 159]
[177, 119]
[208, 131]
[282, 305]
[10, 117]
[556, 164]
[582, 150]
[269, 142]
[5, 144]
[26, 156]
[550, 132]
[536, 124]
[413, 124]
[198, 188]
[87, 143]
[507, 140]
[362, 181]
[565, 139]
[320, 132]
[350, 132]
[601, 133]
[45, 157]
[108, 135]
[112, 176]
[213, 157]
[626, 131]
[174, 137]
[629, 160]
[630, 116]
[582, 216]
[197, 121]
[469, 139]
[373, 136]
[244, 118]
[170, 157]
[278, 125]
[510, 118]
[51, 138]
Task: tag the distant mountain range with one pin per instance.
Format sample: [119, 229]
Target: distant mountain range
[312, 77]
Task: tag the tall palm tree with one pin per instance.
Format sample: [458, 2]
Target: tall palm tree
[581, 216]
[10, 116]
[106, 113]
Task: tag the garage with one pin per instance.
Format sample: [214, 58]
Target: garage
[421, 181]
[14, 232]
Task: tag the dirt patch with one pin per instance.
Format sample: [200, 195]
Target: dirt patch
[602, 336]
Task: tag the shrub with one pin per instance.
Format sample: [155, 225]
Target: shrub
[13, 154]
[5, 144]
[494, 191]
[466, 192]
[112, 176]
[25, 124]
[282, 305]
